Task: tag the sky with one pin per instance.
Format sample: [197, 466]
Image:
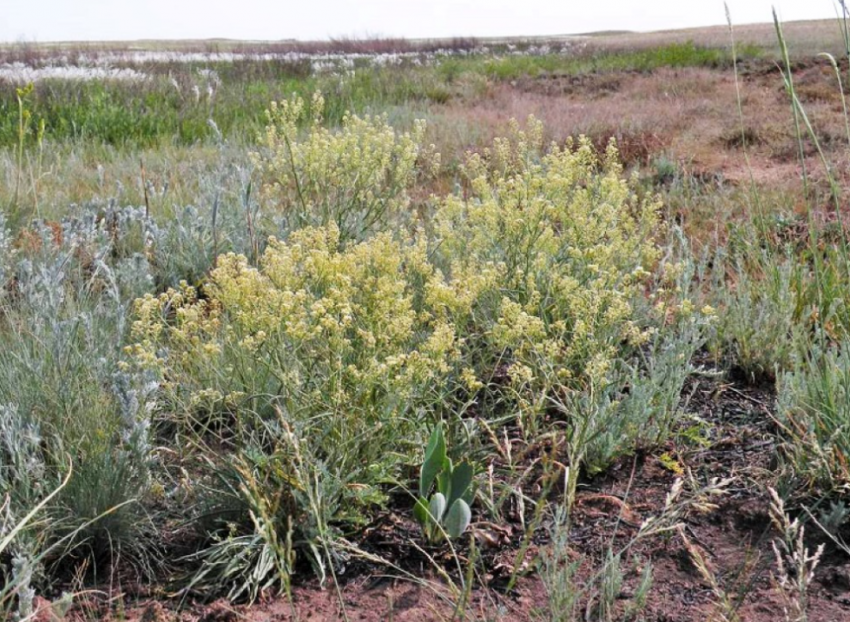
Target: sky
[98, 20]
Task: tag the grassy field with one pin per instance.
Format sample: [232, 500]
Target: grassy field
[543, 329]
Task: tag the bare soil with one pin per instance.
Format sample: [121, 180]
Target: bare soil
[731, 433]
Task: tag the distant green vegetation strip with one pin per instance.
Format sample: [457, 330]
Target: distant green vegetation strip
[672, 55]
[168, 109]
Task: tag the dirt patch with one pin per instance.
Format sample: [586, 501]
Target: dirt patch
[729, 433]
[737, 438]
[689, 115]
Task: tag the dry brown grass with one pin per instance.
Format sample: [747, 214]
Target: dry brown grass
[689, 115]
[805, 38]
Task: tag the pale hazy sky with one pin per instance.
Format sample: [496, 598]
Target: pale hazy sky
[53, 20]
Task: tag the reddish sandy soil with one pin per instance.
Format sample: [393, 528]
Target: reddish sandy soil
[734, 539]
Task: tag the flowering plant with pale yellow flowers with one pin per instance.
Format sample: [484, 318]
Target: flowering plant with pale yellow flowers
[560, 246]
[355, 177]
[540, 290]
[346, 342]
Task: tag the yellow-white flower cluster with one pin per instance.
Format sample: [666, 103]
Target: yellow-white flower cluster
[355, 177]
[344, 322]
[541, 261]
[566, 246]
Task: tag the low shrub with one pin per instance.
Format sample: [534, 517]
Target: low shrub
[556, 252]
[338, 351]
[306, 383]
[814, 408]
[66, 407]
[566, 246]
[759, 325]
[355, 177]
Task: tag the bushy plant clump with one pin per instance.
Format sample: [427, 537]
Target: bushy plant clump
[336, 349]
[354, 177]
[559, 257]
[342, 340]
[67, 412]
[567, 248]
[815, 411]
[321, 369]
[759, 325]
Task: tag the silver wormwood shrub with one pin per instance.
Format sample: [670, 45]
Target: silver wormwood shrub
[134, 393]
[20, 486]
[5, 253]
[22, 572]
[20, 449]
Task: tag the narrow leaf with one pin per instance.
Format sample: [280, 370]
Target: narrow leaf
[435, 454]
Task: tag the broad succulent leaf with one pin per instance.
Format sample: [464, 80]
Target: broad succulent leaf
[460, 482]
[420, 511]
[437, 507]
[458, 518]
